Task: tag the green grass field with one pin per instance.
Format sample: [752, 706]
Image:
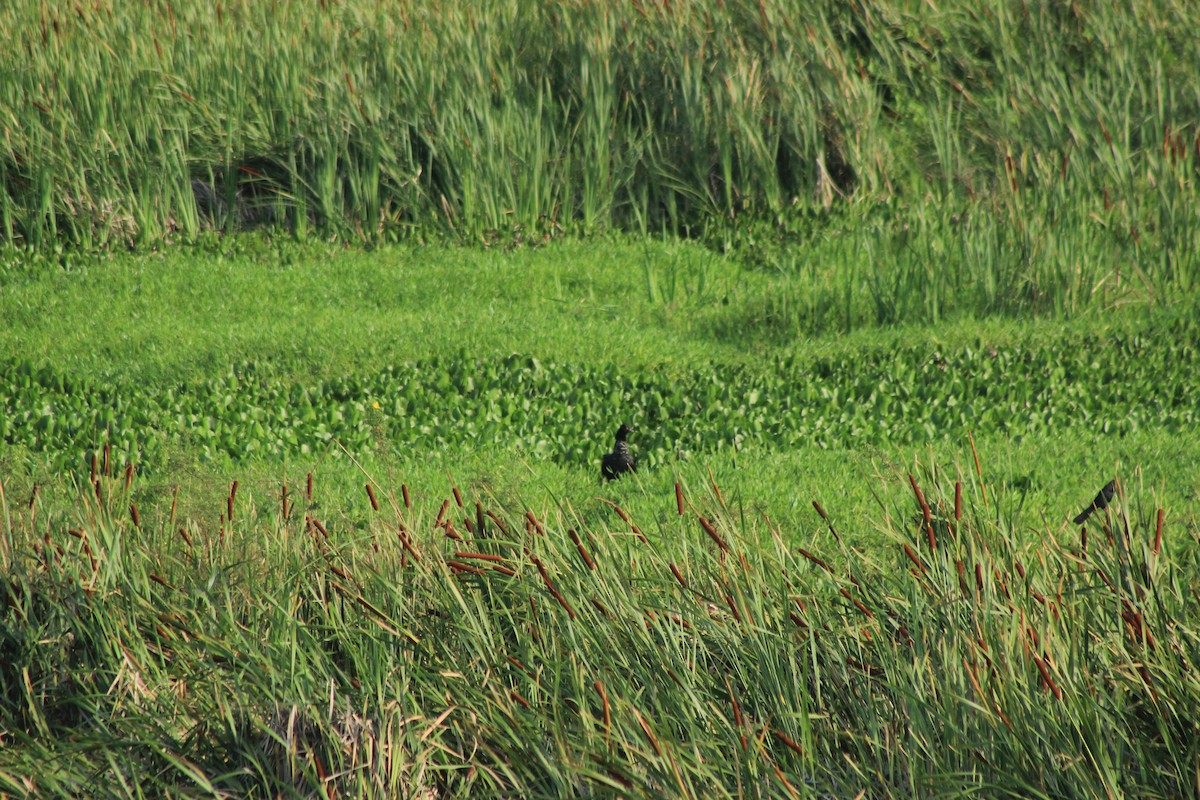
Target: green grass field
[315, 323]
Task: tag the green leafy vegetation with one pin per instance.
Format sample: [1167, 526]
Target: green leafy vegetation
[893, 396]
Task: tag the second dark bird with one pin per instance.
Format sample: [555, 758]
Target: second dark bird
[620, 460]
[1100, 503]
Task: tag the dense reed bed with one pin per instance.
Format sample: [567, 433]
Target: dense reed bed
[139, 122]
[432, 643]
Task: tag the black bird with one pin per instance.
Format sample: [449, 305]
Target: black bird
[1100, 503]
[620, 460]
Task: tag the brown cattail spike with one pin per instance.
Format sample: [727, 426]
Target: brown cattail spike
[679, 498]
[404, 493]
[308, 488]
[133, 514]
[583, 553]
[712, 533]
[371, 497]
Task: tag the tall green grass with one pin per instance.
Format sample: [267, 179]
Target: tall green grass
[430, 641]
[147, 121]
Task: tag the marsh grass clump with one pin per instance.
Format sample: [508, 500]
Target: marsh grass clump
[363, 651]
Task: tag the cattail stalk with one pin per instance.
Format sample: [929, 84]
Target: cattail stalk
[583, 553]
[712, 532]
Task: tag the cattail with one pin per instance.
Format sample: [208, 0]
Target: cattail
[785, 739]
[459, 566]
[533, 520]
[404, 492]
[451, 532]
[712, 532]
[480, 556]
[283, 498]
[95, 465]
[457, 496]
[107, 461]
[1158, 533]
[562, 601]
[957, 501]
[649, 733]
[979, 576]
[174, 504]
[515, 695]
[677, 574]
[469, 525]
[857, 603]
[371, 497]
[341, 573]
[133, 514]
[912, 556]
[128, 475]
[1000, 582]
[160, 580]
[232, 495]
[679, 498]
[815, 559]
[583, 553]
[607, 715]
[737, 714]
[308, 489]
[962, 579]
[442, 514]
[402, 533]
[480, 528]
[183, 534]
[974, 679]
[716, 489]
[521, 667]
[503, 570]
[1047, 681]
[820, 511]
[320, 528]
[733, 607]
[499, 523]
[1020, 567]
[640, 535]
[603, 609]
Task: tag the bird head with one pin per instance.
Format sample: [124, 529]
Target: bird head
[623, 432]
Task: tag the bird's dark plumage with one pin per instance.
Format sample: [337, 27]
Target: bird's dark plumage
[620, 460]
[1100, 503]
